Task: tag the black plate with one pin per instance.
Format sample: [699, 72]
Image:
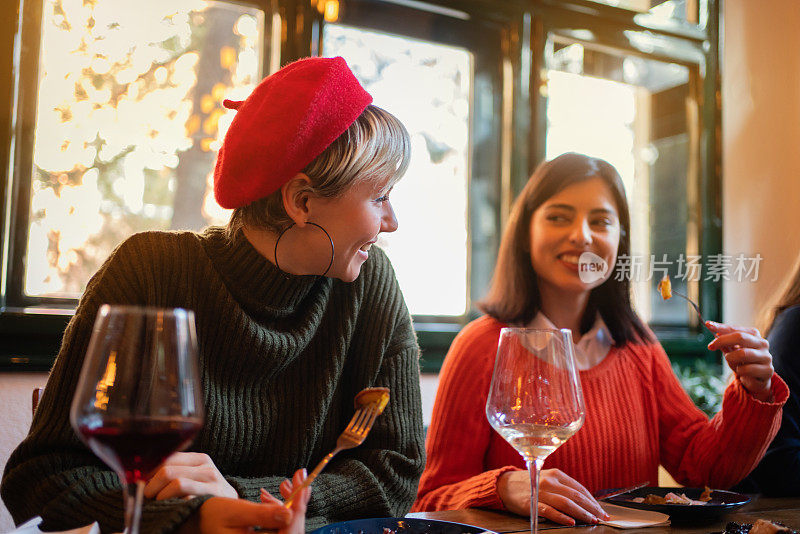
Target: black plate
[400, 525]
[721, 503]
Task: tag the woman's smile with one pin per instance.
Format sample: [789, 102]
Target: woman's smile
[570, 260]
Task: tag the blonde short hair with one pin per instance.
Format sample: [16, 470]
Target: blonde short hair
[375, 148]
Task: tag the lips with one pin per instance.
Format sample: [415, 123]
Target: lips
[569, 258]
[363, 250]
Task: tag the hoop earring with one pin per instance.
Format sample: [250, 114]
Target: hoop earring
[330, 263]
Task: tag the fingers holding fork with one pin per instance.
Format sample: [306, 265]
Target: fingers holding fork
[299, 503]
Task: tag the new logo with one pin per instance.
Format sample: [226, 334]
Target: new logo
[591, 267]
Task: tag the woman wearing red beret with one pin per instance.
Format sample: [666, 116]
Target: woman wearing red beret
[296, 313]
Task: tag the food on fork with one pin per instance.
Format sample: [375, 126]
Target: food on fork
[379, 396]
[665, 288]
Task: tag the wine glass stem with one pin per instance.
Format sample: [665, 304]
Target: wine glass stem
[134, 494]
[534, 467]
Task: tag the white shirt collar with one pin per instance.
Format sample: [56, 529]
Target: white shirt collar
[592, 347]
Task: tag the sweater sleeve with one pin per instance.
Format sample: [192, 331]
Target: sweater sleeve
[378, 478]
[718, 452]
[778, 474]
[459, 436]
[51, 473]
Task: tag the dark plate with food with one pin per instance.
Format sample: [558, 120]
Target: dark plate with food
[683, 504]
[399, 525]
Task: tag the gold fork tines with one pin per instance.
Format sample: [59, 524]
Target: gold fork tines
[353, 436]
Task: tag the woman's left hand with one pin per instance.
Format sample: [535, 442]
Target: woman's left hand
[299, 504]
[185, 474]
[287, 487]
[747, 354]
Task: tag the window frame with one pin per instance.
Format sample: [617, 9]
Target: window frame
[31, 331]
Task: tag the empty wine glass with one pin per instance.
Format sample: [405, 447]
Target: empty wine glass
[138, 398]
[535, 400]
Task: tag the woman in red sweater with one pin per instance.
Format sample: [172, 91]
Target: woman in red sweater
[637, 414]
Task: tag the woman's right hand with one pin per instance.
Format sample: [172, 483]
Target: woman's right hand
[561, 498]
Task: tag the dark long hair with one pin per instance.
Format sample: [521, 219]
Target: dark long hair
[514, 297]
[788, 295]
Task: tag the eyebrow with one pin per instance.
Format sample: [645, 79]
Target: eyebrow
[572, 208]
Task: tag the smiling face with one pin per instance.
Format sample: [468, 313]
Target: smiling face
[580, 218]
[353, 220]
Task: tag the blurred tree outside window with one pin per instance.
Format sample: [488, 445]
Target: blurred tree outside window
[129, 118]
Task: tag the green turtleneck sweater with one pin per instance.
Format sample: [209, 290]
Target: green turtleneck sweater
[281, 357]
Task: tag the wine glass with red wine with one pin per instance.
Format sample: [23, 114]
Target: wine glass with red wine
[138, 398]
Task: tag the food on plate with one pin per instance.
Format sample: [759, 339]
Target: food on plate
[674, 498]
[665, 288]
[379, 396]
[761, 526]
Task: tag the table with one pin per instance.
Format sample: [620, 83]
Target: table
[782, 510]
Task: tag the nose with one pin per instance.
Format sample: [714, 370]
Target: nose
[388, 220]
[581, 233]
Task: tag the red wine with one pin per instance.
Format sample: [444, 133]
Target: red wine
[136, 447]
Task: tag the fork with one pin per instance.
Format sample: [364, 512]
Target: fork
[607, 494]
[693, 304]
[353, 436]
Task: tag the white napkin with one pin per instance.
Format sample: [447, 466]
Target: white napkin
[32, 527]
[624, 517]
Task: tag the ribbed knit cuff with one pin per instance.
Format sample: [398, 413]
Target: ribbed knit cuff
[779, 393]
[485, 493]
[780, 390]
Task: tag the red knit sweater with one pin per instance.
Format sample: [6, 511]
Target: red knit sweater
[637, 417]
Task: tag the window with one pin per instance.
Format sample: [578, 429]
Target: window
[128, 120]
[120, 135]
[429, 249]
[113, 117]
[638, 115]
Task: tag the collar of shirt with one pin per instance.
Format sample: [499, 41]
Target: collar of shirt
[592, 347]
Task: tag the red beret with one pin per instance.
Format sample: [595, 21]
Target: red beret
[286, 122]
